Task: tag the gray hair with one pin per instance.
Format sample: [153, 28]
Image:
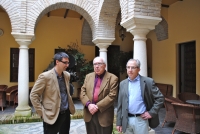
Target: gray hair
[103, 60]
[136, 60]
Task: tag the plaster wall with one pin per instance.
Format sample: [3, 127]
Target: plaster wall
[52, 32]
[6, 42]
[183, 21]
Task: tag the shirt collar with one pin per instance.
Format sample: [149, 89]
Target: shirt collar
[101, 76]
[136, 79]
[57, 74]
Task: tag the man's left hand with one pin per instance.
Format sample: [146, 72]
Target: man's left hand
[92, 108]
[145, 115]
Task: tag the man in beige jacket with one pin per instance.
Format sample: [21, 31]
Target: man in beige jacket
[98, 95]
[51, 98]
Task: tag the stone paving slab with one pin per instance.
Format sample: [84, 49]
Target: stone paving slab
[7, 116]
[22, 128]
[77, 127]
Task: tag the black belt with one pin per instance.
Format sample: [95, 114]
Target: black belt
[64, 111]
[133, 115]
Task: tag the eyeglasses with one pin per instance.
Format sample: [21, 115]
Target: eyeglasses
[98, 64]
[65, 62]
[131, 67]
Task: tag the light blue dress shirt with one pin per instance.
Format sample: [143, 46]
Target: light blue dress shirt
[136, 102]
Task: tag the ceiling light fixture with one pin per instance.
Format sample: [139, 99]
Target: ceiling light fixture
[122, 33]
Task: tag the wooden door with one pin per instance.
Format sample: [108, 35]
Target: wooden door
[187, 67]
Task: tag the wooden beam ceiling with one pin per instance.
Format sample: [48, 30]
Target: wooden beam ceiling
[66, 12]
[163, 5]
[81, 17]
[48, 14]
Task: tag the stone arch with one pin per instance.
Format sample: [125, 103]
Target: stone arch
[118, 19]
[40, 8]
[161, 30]
[107, 18]
[86, 34]
[132, 8]
[13, 13]
[124, 9]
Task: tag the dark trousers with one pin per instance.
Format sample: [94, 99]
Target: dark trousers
[62, 124]
[93, 127]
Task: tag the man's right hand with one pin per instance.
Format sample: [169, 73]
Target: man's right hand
[119, 129]
[92, 108]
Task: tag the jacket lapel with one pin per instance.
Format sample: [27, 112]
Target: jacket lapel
[125, 86]
[55, 80]
[142, 85]
[104, 82]
[92, 81]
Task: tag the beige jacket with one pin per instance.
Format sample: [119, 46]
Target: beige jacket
[45, 96]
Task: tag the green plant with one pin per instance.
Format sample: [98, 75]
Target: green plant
[82, 66]
[86, 68]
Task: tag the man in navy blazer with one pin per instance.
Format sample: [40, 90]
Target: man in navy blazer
[139, 101]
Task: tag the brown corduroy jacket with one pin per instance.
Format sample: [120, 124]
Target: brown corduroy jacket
[107, 95]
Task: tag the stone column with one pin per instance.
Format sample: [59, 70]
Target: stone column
[139, 26]
[24, 40]
[103, 44]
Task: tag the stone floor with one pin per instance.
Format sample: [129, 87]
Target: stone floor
[168, 127]
[77, 125]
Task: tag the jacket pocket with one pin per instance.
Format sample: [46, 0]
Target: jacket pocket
[48, 106]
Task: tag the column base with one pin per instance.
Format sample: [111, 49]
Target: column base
[23, 111]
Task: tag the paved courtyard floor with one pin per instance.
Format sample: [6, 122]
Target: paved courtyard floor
[77, 125]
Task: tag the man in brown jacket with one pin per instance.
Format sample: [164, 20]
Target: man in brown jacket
[98, 94]
[51, 98]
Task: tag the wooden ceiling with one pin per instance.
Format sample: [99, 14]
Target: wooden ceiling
[64, 13]
[73, 14]
[1, 10]
[167, 3]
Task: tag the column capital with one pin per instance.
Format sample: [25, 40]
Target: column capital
[23, 39]
[103, 43]
[140, 22]
[139, 26]
[103, 40]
